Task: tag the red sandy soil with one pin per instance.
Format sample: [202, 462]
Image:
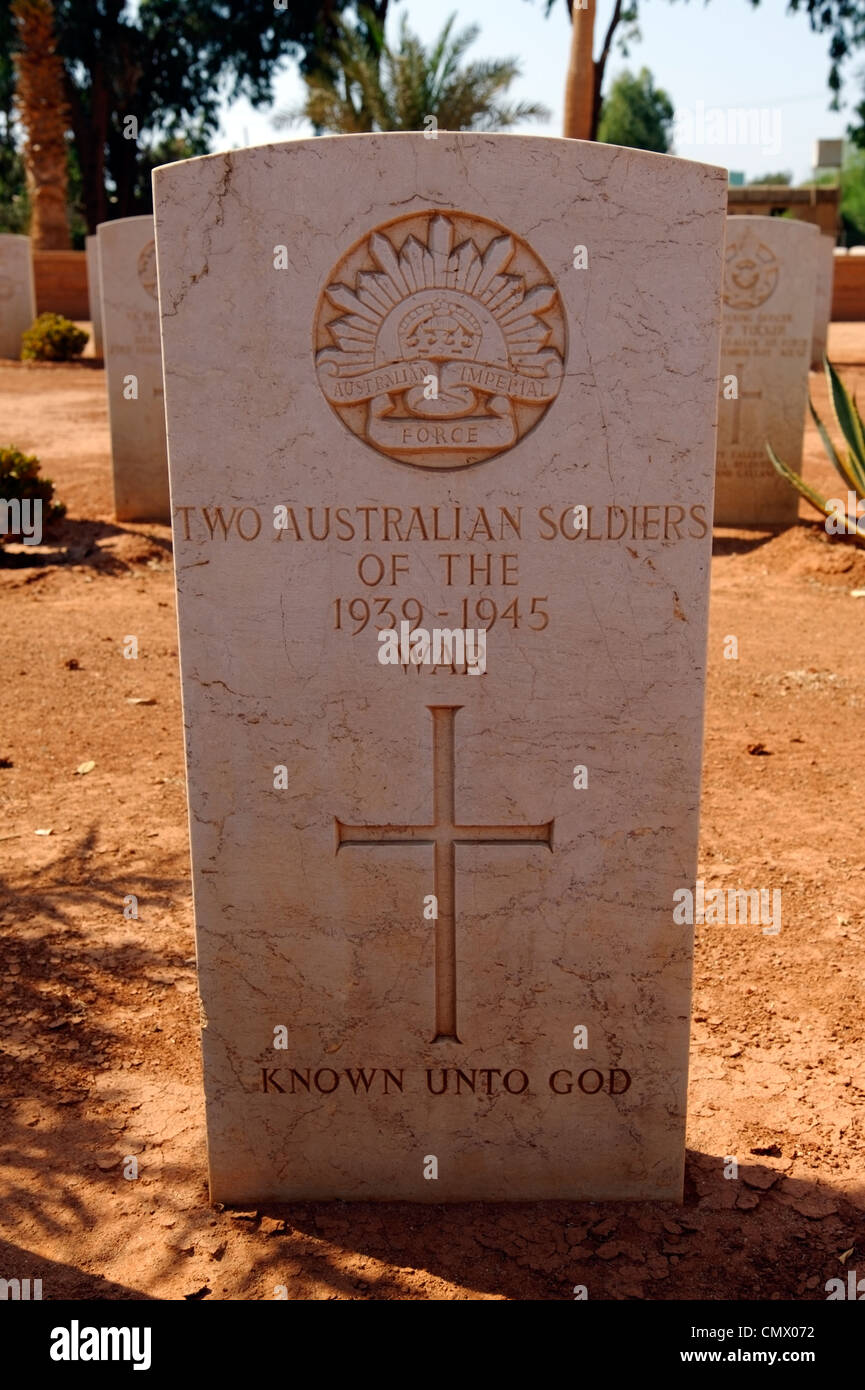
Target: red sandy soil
[98, 1015]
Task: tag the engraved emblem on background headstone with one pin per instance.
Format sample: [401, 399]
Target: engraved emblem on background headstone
[751, 273]
[147, 269]
[440, 339]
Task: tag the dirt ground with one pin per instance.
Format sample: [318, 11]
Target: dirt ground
[98, 1015]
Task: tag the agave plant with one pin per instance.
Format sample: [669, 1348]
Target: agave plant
[847, 516]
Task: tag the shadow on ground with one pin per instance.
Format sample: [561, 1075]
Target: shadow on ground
[101, 545]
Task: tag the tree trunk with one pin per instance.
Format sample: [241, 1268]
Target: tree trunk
[90, 129]
[580, 81]
[601, 66]
[42, 107]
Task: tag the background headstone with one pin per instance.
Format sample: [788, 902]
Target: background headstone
[768, 321]
[133, 362]
[17, 292]
[91, 245]
[434, 965]
[825, 253]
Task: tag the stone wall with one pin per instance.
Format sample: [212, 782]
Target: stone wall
[61, 283]
[848, 293]
[817, 205]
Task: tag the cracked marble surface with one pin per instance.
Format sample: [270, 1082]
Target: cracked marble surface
[329, 941]
[130, 328]
[94, 294]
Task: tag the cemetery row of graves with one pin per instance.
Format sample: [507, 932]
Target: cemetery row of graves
[778, 343]
[433, 961]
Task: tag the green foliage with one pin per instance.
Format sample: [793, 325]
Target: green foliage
[842, 20]
[192, 141]
[365, 84]
[169, 64]
[850, 466]
[784, 179]
[19, 480]
[52, 338]
[851, 180]
[75, 200]
[7, 74]
[636, 113]
[14, 202]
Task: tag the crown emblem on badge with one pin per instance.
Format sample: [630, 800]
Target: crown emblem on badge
[440, 349]
[445, 330]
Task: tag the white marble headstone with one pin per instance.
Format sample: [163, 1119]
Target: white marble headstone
[434, 903]
[94, 298]
[133, 361]
[768, 321]
[17, 292]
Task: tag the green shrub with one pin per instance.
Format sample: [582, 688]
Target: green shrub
[19, 481]
[52, 339]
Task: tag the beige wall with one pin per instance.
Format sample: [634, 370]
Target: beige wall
[817, 205]
[61, 283]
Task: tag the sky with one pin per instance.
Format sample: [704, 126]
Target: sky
[712, 59]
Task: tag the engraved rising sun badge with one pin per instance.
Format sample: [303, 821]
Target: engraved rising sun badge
[440, 340]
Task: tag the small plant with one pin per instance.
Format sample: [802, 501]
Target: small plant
[19, 483]
[52, 338]
[851, 467]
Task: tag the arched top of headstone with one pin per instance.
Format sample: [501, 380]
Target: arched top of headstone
[422, 393]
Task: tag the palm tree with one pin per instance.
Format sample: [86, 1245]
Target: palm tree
[580, 78]
[585, 75]
[363, 84]
[42, 109]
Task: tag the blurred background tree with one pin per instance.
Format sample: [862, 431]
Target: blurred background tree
[637, 113]
[40, 104]
[140, 79]
[851, 180]
[14, 203]
[360, 83]
[842, 20]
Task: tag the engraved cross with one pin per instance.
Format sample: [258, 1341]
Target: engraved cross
[443, 834]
